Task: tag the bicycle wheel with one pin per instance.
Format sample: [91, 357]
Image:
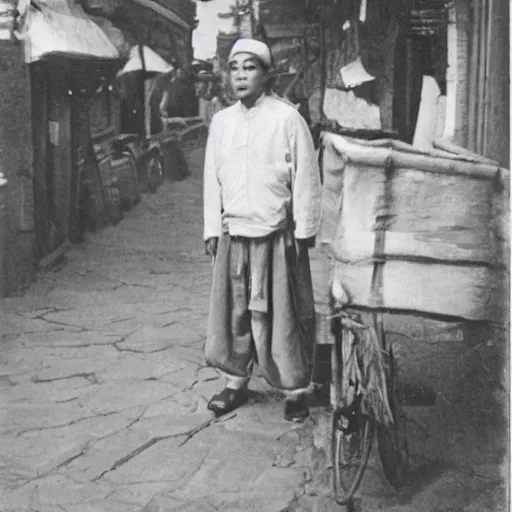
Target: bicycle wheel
[351, 444]
[393, 445]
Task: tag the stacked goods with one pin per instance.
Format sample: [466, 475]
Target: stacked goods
[109, 183]
[413, 231]
[124, 170]
[111, 191]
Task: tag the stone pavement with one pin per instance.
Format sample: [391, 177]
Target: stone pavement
[103, 393]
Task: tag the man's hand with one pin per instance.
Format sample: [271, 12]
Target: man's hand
[303, 245]
[210, 246]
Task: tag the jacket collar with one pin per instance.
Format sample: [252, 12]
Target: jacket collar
[255, 109]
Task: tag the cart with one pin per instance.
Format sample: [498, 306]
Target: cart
[408, 232]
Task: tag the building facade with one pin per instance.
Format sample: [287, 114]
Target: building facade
[58, 86]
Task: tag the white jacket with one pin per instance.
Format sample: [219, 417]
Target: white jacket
[252, 157]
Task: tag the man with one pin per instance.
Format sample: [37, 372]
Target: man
[261, 213]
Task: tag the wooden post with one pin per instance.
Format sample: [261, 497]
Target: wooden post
[482, 66]
[142, 87]
[473, 81]
[485, 120]
[323, 64]
[3, 220]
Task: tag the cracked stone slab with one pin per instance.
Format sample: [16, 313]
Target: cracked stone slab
[117, 396]
[60, 390]
[249, 458]
[71, 339]
[148, 339]
[164, 461]
[42, 451]
[14, 323]
[189, 320]
[25, 416]
[53, 491]
[60, 363]
[181, 403]
[170, 504]
[140, 493]
[88, 316]
[105, 454]
[106, 505]
[186, 378]
[252, 502]
[144, 367]
[165, 425]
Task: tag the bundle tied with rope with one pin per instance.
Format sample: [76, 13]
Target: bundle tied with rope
[364, 362]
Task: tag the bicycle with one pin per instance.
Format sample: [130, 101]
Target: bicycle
[368, 401]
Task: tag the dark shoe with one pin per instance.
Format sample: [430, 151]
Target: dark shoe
[296, 410]
[227, 400]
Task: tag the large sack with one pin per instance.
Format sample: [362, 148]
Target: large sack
[442, 247]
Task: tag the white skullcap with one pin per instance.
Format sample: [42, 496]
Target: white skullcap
[254, 47]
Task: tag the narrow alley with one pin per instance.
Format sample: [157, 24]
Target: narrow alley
[104, 392]
[104, 388]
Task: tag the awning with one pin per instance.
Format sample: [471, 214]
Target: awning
[153, 62]
[61, 27]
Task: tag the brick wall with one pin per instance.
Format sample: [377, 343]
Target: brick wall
[16, 164]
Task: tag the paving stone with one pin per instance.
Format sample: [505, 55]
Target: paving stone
[185, 378]
[30, 416]
[15, 323]
[251, 502]
[71, 339]
[25, 360]
[53, 491]
[110, 396]
[59, 391]
[164, 504]
[103, 455]
[197, 505]
[165, 461]
[148, 339]
[143, 367]
[139, 493]
[182, 402]
[280, 481]
[173, 425]
[43, 450]
[249, 458]
[107, 505]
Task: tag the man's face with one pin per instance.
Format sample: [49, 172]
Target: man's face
[248, 78]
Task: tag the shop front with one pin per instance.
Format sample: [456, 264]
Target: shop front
[69, 56]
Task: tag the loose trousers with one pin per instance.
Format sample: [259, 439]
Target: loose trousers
[261, 312]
